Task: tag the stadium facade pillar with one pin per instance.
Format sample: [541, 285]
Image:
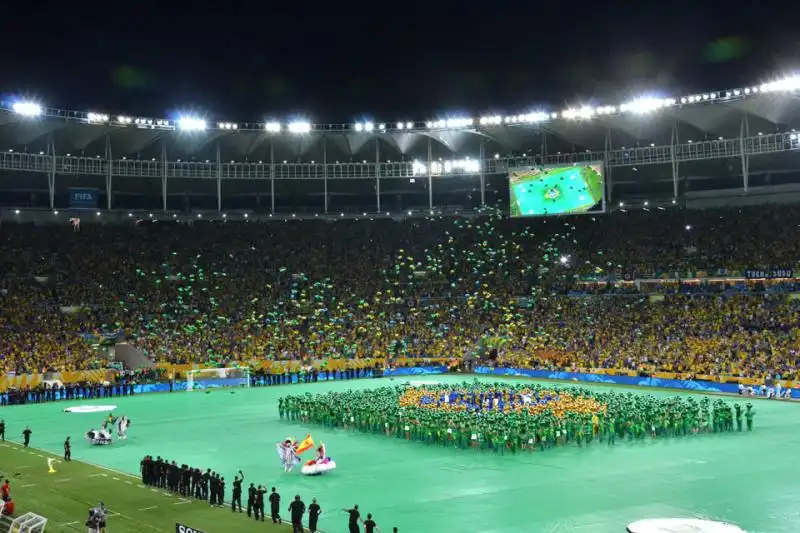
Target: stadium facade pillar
[219, 179]
[272, 176]
[744, 133]
[430, 174]
[608, 168]
[51, 172]
[325, 171]
[378, 174]
[163, 175]
[674, 140]
[109, 173]
[483, 171]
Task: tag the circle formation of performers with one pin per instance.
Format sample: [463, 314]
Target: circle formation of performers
[514, 417]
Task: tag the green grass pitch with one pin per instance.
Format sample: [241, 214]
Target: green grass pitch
[751, 479]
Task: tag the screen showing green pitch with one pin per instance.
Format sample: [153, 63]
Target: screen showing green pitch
[557, 190]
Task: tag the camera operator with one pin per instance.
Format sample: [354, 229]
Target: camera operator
[97, 519]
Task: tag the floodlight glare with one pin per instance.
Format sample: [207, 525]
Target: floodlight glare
[369, 126]
[27, 109]
[96, 117]
[272, 127]
[191, 124]
[299, 127]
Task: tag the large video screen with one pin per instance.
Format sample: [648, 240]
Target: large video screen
[560, 190]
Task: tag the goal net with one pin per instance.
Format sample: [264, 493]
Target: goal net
[28, 523]
[212, 378]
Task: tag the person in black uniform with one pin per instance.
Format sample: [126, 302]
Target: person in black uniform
[251, 499]
[2, 430]
[67, 451]
[274, 506]
[260, 502]
[221, 491]
[297, 509]
[314, 510]
[354, 519]
[213, 488]
[369, 524]
[205, 481]
[237, 492]
[197, 484]
[26, 436]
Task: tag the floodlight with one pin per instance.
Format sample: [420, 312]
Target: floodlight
[124, 120]
[369, 126]
[96, 117]
[400, 125]
[382, 127]
[191, 124]
[300, 127]
[409, 125]
[27, 109]
[227, 126]
[272, 127]
[359, 126]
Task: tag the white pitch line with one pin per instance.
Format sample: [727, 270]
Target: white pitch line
[153, 490]
[95, 475]
[147, 508]
[129, 482]
[182, 502]
[71, 523]
[140, 486]
[64, 480]
[29, 485]
[115, 478]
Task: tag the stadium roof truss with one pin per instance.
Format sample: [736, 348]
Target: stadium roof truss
[742, 124]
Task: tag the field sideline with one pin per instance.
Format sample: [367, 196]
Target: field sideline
[745, 478]
[65, 497]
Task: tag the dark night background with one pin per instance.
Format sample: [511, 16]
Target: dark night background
[339, 62]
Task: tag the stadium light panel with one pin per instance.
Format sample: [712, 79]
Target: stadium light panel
[191, 124]
[27, 109]
[359, 127]
[400, 125]
[227, 126]
[97, 118]
[272, 127]
[299, 127]
[369, 126]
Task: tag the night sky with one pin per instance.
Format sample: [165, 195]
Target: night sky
[344, 61]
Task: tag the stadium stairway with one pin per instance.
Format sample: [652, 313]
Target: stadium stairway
[131, 357]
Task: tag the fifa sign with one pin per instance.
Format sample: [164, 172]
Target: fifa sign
[180, 528]
[83, 198]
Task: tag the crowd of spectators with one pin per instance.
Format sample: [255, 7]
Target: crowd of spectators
[435, 287]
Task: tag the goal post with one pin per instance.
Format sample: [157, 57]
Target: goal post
[213, 378]
[28, 523]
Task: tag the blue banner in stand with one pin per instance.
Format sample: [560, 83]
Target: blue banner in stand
[769, 273]
[83, 198]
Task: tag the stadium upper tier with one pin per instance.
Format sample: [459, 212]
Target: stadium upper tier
[646, 122]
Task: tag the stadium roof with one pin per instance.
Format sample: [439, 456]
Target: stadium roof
[769, 108]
